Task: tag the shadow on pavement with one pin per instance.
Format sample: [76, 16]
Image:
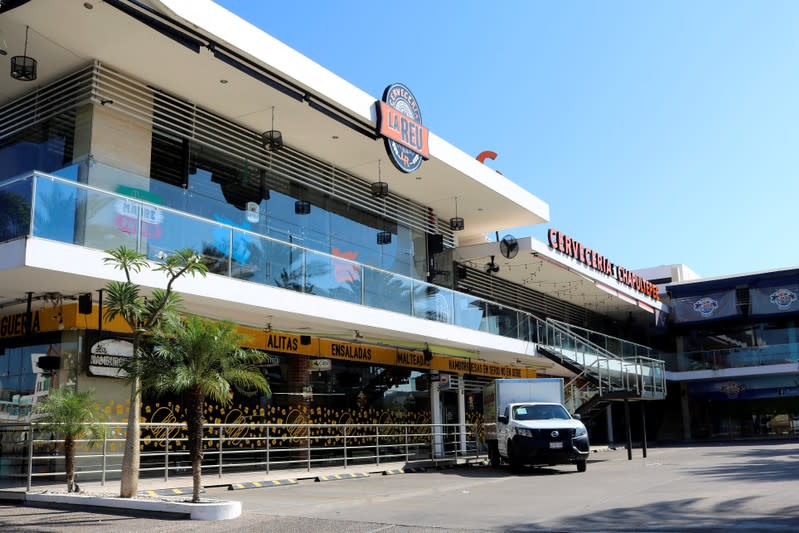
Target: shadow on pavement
[676, 516]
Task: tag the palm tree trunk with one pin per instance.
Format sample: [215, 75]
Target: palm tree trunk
[69, 460]
[129, 481]
[194, 421]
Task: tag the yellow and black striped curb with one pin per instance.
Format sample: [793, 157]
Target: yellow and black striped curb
[335, 477]
[408, 470]
[169, 492]
[262, 484]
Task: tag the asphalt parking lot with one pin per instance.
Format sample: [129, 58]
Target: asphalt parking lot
[744, 487]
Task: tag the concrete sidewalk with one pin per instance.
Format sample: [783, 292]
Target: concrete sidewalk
[162, 486]
[182, 483]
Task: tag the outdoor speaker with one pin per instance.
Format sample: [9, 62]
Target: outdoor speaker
[428, 355]
[435, 244]
[85, 304]
[49, 362]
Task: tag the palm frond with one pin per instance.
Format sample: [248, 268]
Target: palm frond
[197, 352]
[126, 259]
[71, 414]
[183, 261]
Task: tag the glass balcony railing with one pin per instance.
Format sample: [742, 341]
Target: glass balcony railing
[776, 354]
[59, 208]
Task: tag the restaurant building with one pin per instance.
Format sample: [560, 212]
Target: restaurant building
[357, 248]
[734, 363]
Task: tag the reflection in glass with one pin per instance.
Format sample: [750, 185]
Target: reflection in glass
[15, 210]
[469, 311]
[333, 277]
[384, 290]
[432, 303]
[209, 240]
[22, 382]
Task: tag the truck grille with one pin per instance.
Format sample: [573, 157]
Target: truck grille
[546, 434]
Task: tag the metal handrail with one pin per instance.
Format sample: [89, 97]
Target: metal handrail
[257, 447]
[558, 326]
[624, 342]
[640, 374]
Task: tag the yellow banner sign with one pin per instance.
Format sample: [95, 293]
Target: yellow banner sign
[67, 317]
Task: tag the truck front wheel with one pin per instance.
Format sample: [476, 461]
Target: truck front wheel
[514, 459]
[493, 454]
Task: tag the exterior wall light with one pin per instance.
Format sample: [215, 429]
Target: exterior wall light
[272, 139]
[383, 237]
[380, 189]
[456, 222]
[302, 207]
[23, 68]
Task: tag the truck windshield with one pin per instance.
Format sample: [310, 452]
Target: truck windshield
[540, 412]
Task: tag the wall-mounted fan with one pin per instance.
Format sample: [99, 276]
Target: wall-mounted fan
[509, 246]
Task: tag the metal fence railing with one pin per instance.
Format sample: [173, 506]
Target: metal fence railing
[28, 455]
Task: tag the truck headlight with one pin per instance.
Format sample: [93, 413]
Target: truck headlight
[580, 432]
[524, 432]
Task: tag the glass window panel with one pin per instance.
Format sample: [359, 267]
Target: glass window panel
[432, 302]
[211, 241]
[331, 277]
[501, 320]
[22, 382]
[282, 222]
[284, 266]
[15, 209]
[249, 257]
[469, 311]
[57, 205]
[36, 148]
[387, 291]
[106, 221]
[170, 195]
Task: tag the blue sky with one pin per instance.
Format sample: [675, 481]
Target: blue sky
[657, 132]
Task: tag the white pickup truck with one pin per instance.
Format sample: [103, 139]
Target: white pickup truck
[526, 424]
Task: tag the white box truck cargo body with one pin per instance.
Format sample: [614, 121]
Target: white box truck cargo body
[526, 424]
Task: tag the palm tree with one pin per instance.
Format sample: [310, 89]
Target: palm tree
[200, 358]
[73, 415]
[124, 299]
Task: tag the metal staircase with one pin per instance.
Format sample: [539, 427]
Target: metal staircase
[606, 368]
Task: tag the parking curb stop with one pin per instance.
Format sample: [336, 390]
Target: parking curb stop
[335, 477]
[262, 484]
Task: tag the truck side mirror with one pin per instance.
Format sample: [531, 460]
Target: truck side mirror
[502, 419]
[576, 416]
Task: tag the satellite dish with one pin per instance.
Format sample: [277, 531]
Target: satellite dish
[509, 246]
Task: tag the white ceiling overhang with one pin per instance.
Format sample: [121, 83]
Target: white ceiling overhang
[317, 112]
[542, 269]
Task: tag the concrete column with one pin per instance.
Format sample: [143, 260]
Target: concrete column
[121, 149]
[435, 413]
[120, 141]
[462, 413]
[609, 419]
[686, 412]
